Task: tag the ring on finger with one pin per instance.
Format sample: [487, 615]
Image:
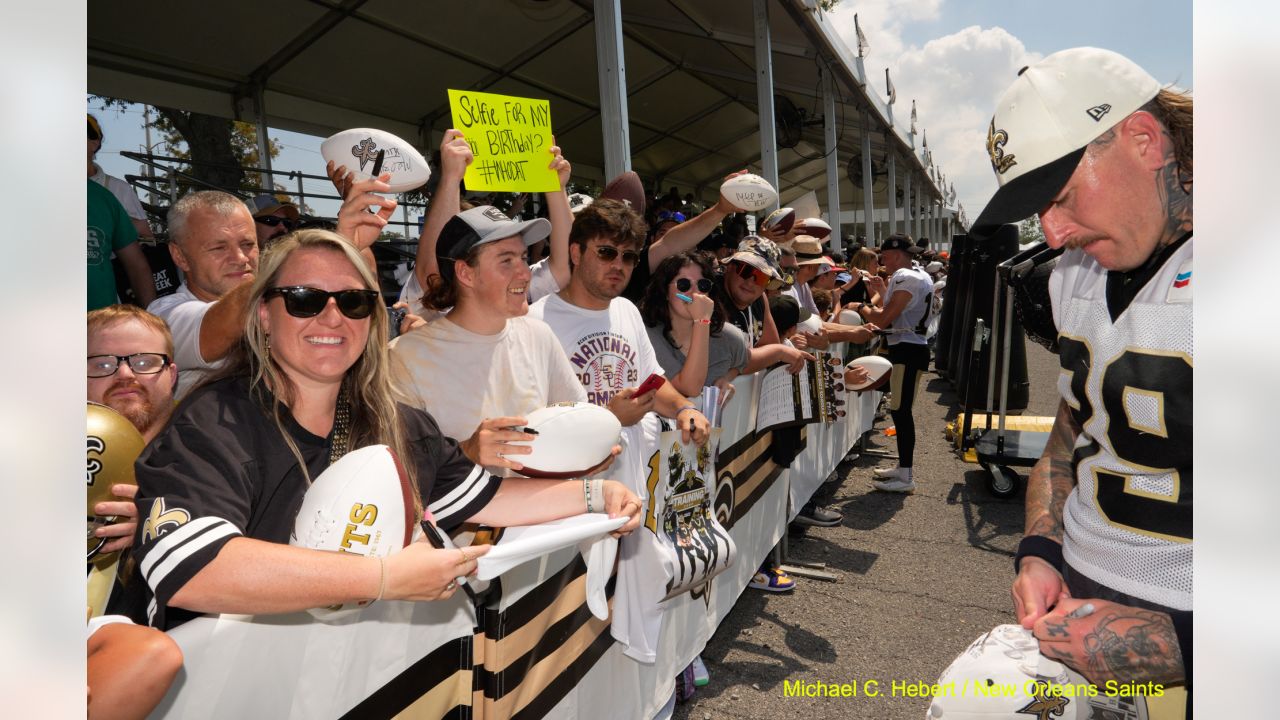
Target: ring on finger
[453, 585]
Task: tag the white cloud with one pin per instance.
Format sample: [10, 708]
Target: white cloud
[955, 81]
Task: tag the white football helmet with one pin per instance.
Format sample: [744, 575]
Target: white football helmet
[1002, 675]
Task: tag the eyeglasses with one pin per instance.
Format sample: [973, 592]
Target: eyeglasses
[609, 253]
[756, 275]
[101, 366]
[683, 285]
[274, 220]
[305, 302]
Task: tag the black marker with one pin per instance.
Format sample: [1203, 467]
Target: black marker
[377, 163]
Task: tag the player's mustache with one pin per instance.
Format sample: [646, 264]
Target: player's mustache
[1080, 241]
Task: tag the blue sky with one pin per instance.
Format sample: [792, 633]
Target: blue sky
[954, 57]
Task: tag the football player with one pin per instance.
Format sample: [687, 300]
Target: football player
[1097, 148]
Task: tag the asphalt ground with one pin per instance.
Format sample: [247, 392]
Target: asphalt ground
[920, 577]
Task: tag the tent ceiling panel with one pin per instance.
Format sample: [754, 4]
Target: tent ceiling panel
[331, 64]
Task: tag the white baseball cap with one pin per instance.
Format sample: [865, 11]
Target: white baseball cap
[1047, 117]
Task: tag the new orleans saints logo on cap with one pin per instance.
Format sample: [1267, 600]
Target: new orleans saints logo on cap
[995, 148]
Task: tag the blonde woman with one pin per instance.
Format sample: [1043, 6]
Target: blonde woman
[219, 488]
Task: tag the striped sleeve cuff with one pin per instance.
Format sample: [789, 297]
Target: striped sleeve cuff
[465, 499]
[176, 557]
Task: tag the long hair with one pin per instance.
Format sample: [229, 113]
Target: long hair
[442, 289]
[1174, 110]
[654, 307]
[864, 259]
[375, 418]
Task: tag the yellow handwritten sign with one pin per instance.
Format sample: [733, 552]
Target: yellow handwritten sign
[509, 137]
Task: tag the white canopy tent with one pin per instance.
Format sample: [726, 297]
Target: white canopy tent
[697, 101]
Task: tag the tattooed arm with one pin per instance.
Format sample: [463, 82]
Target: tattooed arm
[1039, 584]
[1117, 642]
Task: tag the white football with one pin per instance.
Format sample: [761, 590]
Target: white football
[811, 325]
[781, 219]
[572, 438]
[357, 150]
[849, 317]
[877, 366]
[363, 505]
[749, 192]
[815, 228]
[1007, 660]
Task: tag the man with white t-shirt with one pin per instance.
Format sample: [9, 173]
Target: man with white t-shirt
[602, 333]
[906, 315]
[485, 363]
[608, 347]
[213, 240]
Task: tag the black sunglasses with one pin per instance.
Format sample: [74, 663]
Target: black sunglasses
[100, 366]
[609, 253]
[274, 220]
[305, 302]
[683, 285]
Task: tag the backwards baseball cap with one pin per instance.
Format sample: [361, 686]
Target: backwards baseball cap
[95, 130]
[480, 225]
[1047, 117]
[760, 253]
[266, 204]
[898, 241]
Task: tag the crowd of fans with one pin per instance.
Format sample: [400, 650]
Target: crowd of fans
[274, 347]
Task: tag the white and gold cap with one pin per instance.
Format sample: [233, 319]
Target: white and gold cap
[1047, 117]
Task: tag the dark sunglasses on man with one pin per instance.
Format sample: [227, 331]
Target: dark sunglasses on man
[609, 253]
[683, 285]
[752, 273]
[274, 220]
[307, 302]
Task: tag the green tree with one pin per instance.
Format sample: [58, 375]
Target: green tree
[219, 149]
[1029, 231]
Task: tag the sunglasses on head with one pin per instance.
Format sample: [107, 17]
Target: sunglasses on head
[683, 285]
[274, 220]
[670, 215]
[305, 302]
[752, 273]
[609, 253]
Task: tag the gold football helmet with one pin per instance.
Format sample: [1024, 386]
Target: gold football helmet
[113, 445]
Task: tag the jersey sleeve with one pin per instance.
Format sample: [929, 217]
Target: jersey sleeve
[452, 486]
[194, 494]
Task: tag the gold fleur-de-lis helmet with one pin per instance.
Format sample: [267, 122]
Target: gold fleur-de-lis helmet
[113, 446]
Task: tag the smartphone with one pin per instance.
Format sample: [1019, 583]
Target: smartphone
[395, 316]
[651, 383]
